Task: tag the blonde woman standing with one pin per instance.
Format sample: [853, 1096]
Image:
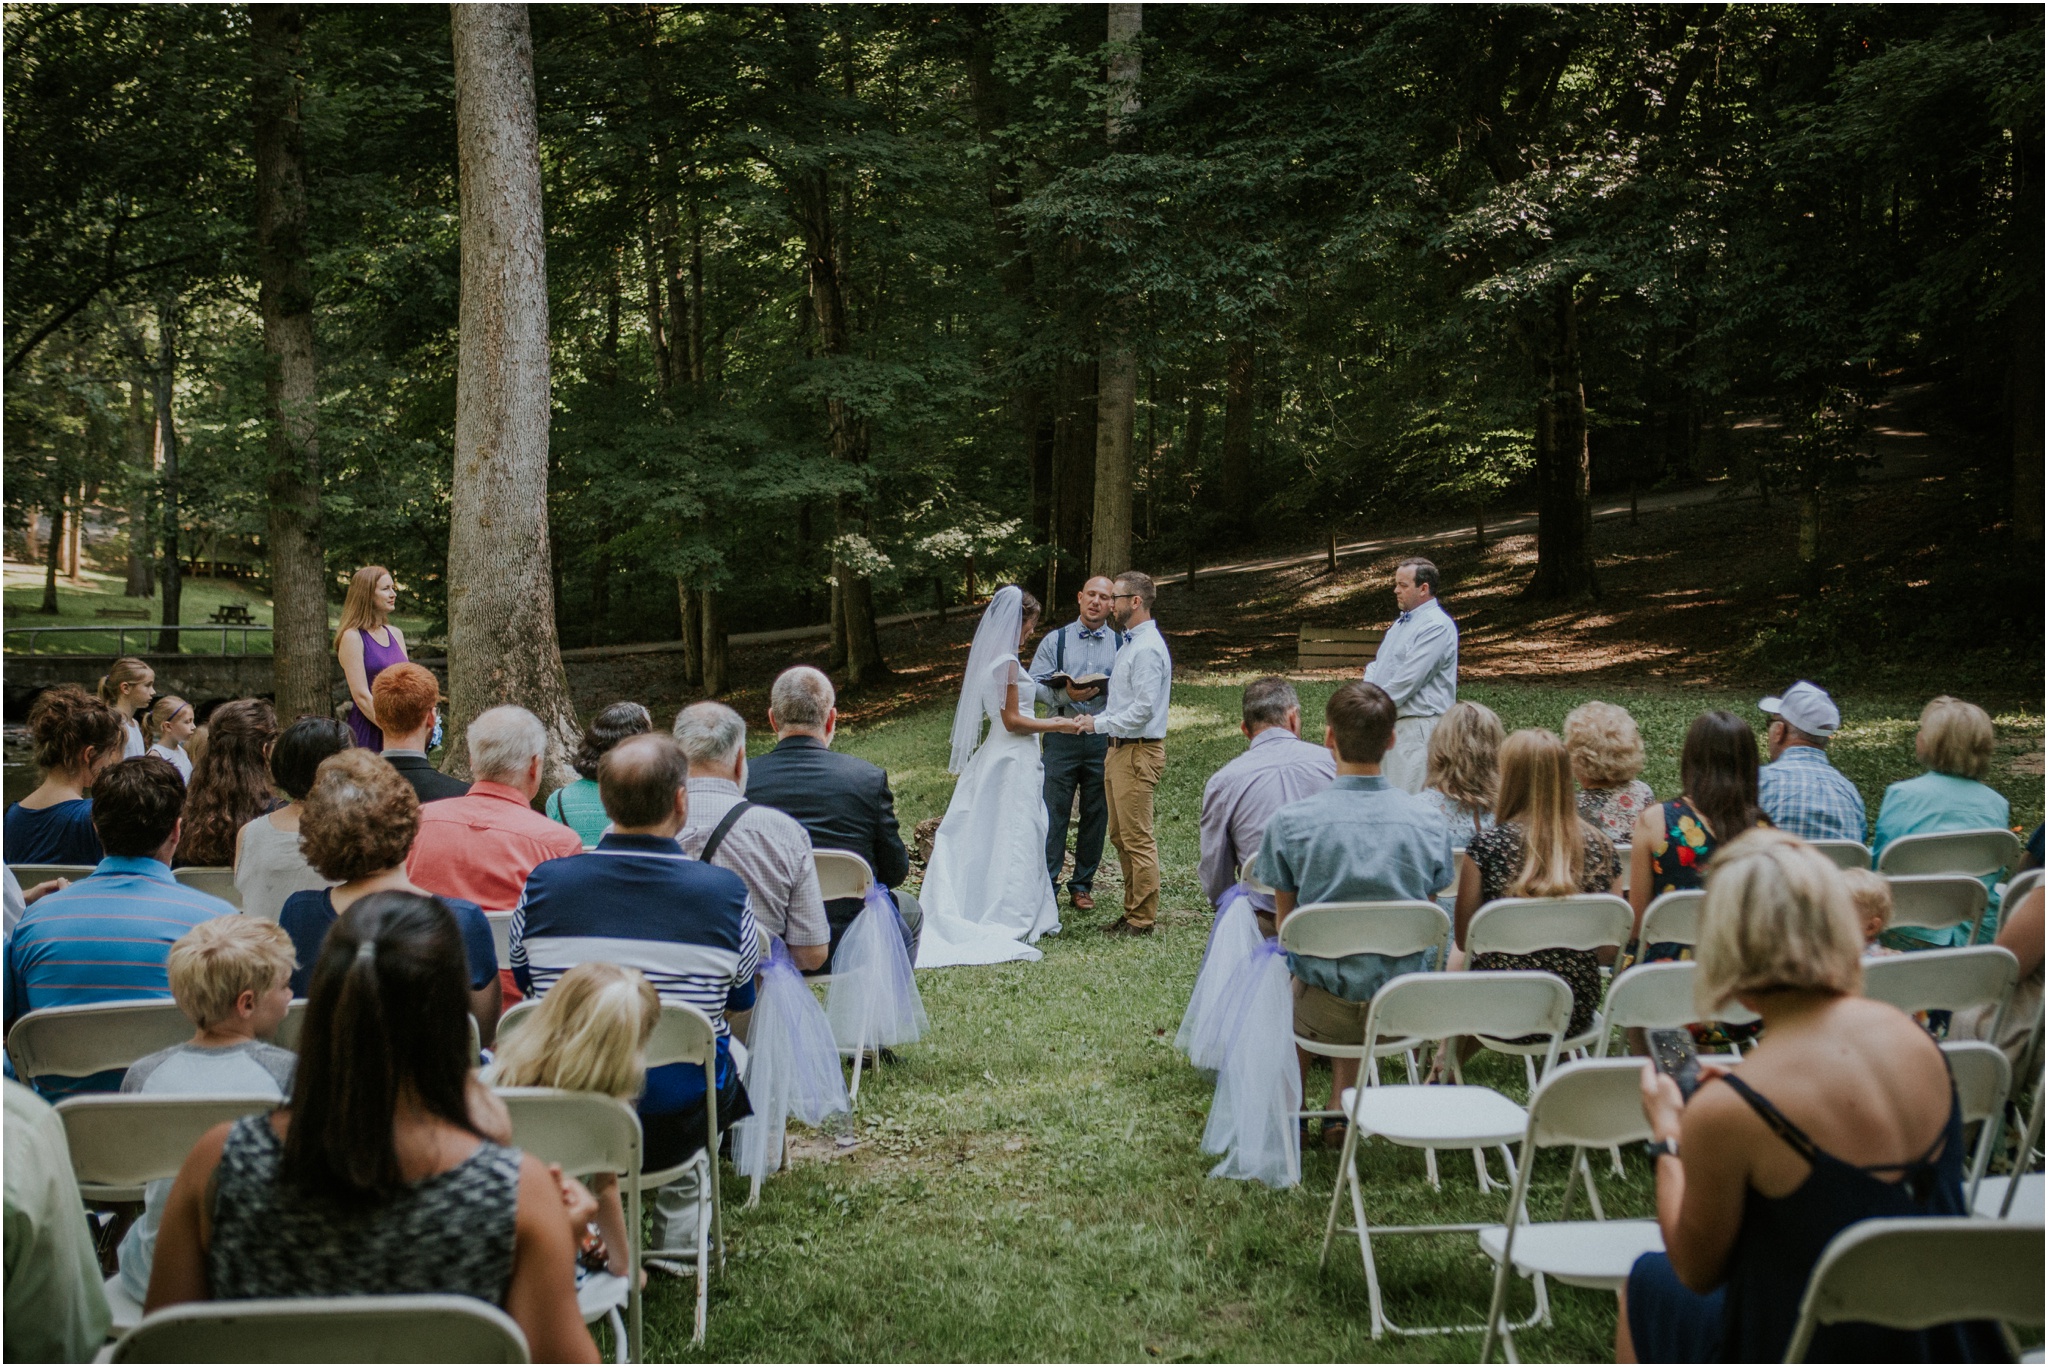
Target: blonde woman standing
[129, 686]
[1464, 770]
[367, 645]
[168, 724]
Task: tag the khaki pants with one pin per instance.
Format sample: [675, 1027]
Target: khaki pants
[1407, 761]
[1129, 774]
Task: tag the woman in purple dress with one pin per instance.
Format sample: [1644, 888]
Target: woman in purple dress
[368, 645]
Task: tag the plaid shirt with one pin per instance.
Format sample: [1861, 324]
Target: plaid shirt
[1804, 794]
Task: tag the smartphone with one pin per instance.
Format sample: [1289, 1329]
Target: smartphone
[1676, 1056]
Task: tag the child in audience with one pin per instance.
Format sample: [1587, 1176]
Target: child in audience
[1872, 899]
[232, 977]
[168, 724]
[589, 1034]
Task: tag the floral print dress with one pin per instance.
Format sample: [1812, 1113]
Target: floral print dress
[1677, 863]
[1498, 854]
[1613, 811]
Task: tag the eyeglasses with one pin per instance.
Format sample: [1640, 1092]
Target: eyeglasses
[1119, 597]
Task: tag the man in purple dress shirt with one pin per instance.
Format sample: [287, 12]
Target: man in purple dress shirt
[1279, 768]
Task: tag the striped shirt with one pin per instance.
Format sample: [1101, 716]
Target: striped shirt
[638, 901]
[106, 938]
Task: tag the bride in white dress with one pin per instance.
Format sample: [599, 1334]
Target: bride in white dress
[986, 894]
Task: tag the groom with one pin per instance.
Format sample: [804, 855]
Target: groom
[1134, 719]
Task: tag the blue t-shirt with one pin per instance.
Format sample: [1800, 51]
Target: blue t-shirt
[59, 834]
[307, 915]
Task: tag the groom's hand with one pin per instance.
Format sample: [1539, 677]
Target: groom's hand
[1084, 725]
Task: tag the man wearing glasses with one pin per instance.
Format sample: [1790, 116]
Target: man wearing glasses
[1134, 719]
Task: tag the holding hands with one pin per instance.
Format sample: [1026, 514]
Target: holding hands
[1084, 725]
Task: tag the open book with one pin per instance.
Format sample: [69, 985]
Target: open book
[1060, 679]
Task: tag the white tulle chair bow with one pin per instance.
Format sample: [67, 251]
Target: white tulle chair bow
[1252, 1121]
[872, 1002]
[1205, 1028]
[792, 1067]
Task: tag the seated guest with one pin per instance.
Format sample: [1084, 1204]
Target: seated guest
[76, 738]
[1717, 802]
[56, 1306]
[386, 1180]
[1277, 768]
[640, 902]
[844, 802]
[230, 782]
[232, 977]
[1799, 790]
[1359, 840]
[107, 937]
[360, 818]
[1955, 743]
[1607, 754]
[589, 1034]
[765, 847]
[1464, 770]
[269, 866]
[405, 696]
[1539, 847]
[1870, 897]
[2022, 934]
[1843, 1112]
[577, 806]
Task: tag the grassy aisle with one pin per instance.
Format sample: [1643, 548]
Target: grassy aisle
[1032, 1185]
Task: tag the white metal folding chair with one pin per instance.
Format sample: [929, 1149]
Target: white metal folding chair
[1936, 901]
[214, 882]
[1672, 918]
[2015, 892]
[28, 875]
[1436, 1006]
[120, 1144]
[1657, 997]
[327, 1329]
[2019, 1195]
[78, 1041]
[1251, 879]
[1588, 1104]
[1524, 925]
[841, 874]
[501, 936]
[1983, 1078]
[1945, 980]
[1626, 854]
[1979, 853]
[588, 1133]
[1846, 854]
[686, 1035]
[1916, 1273]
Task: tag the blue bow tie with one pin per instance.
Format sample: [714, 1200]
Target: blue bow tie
[1094, 635]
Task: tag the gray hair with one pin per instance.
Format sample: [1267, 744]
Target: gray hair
[503, 741]
[801, 697]
[710, 732]
[1267, 701]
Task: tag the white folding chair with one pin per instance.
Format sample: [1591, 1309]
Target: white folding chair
[1846, 854]
[28, 875]
[2019, 1195]
[120, 1144]
[2015, 892]
[1945, 980]
[1626, 854]
[78, 1041]
[1936, 901]
[1983, 1078]
[1588, 1104]
[1658, 997]
[842, 874]
[327, 1329]
[1979, 854]
[588, 1133]
[685, 1035]
[501, 936]
[1524, 925]
[1436, 1006]
[1250, 879]
[1915, 1273]
[214, 882]
[1672, 918]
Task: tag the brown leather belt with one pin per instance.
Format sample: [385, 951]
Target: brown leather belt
[1115, 741]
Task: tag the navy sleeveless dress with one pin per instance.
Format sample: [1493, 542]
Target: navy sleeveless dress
[1750, 1317]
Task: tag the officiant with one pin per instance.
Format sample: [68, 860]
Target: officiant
[1082, 647]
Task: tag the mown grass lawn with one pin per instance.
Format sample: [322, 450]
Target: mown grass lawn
[1032, 1186]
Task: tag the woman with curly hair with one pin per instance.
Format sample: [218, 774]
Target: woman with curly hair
[76, 738]
[576, 806]
[231, 782]
[1607, 754]
[1464, 770]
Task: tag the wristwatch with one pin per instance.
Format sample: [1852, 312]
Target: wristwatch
[1657, 1148]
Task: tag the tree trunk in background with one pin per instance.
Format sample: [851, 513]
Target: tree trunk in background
[1239, 396]
[298, 569]
[1073, 473]
[692, 633]
[1564, 467]
[74, 540]
[835, 657]
[141, 535]
[1117, 397]
[501, 610]
[167, 309]
[56, 549]
[714, 648]
[2026, 338]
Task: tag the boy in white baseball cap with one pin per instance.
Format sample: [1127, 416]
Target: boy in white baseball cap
[1799, 789]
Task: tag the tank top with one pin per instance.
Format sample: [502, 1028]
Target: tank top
[1783, 1237]
[376, 659]
[451, 1234]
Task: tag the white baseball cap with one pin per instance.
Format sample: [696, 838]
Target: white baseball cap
[1806, 707]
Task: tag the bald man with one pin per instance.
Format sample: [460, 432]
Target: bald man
[1082, 647]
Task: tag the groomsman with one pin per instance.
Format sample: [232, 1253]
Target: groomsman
[1085, 646]
[1135, 722]
[1417, 666]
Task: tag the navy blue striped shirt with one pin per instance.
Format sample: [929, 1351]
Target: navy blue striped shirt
[640, 902]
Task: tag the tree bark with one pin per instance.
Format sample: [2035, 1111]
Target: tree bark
[715, 654]
[692, 635]
[141, 535]
[1239, 397]
[298, 570]
[50, 567]
[2027, 320]
[1564, 467]
[74, 540]
[167, 311]
[502, 646]
[1073, 476]
[1117, 395]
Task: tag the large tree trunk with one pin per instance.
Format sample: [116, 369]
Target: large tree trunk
[2026, 338]
[1117, 399]
[1073, 473]
[167, 311]
[1239, 396]
[715, 654]
[502, 646]
[692, 635]
[141, 535]
[1564, 466]
[56, 557]
[298, 570]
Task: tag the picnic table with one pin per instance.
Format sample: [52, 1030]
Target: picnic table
[232, 615]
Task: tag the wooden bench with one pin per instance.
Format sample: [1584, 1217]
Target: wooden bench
[1338, 647]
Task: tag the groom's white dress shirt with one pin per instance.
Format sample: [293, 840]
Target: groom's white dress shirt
[1140, 687]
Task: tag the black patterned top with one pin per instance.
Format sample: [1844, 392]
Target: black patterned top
[1499, 854]
[451, 1234]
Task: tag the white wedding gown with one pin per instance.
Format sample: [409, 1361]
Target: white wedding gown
[986, 894]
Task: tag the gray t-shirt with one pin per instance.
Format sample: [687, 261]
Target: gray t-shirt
[251, 1068]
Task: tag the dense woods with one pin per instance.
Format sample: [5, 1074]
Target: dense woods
[850, 310]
